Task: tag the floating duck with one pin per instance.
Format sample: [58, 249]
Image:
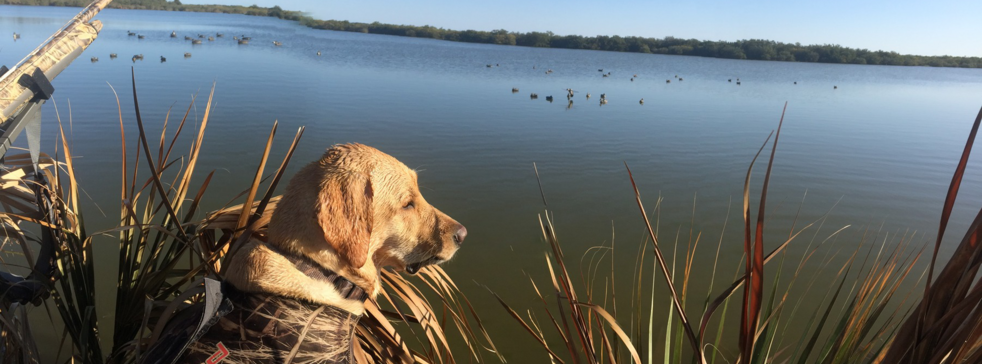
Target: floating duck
[95, 59]
[835, 87]
[211, 39]
[112, 55]
[129, 33]
[738, 83]
[201, 36]
[680, 79]
[642, 101]
[549, 98]
[514, 89]
[196, 41]
[275, 43]
[141, 36]
[173, 34]
[729, 80]
[318, 53]
[187, 38]
[587, 96]
[187, 54]
[16, 36]
[243, 41]
[795, 82]
[534, 96]
[163, 59]
[220, 35]
[668, 81]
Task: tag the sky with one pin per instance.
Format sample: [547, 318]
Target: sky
[942, 27]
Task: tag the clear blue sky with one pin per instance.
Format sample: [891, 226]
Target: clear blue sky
[938, 27]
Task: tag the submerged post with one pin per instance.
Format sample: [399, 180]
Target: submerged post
[24, 87]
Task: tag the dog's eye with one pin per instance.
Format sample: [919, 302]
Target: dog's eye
[409, 205]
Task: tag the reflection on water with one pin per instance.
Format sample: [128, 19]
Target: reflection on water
[877, 143]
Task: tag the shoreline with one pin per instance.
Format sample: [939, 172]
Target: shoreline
[747, 49]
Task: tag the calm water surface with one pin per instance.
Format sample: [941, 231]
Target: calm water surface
[878, 152]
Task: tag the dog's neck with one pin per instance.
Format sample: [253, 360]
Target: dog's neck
[258, 267]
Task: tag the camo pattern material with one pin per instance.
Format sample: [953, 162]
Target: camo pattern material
[270, 329]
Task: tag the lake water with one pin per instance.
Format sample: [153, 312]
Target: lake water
[880, 149]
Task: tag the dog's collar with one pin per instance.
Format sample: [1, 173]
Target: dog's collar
[310, 268]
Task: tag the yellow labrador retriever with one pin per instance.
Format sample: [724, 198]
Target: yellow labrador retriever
[297, 297]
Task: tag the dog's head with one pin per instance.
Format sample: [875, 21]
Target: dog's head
[357, 209]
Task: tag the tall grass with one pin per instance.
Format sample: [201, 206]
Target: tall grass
[870, 312]
[167, 245]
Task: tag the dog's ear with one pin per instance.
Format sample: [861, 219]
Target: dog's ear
[345, 215]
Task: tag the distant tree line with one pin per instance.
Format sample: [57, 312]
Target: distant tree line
[754, 49]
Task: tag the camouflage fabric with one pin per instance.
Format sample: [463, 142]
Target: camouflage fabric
[270, 329]
[233, 327]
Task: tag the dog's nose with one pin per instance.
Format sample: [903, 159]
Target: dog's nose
[460, 235]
